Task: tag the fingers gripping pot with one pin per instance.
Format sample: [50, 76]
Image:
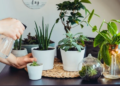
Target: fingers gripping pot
[6, 45]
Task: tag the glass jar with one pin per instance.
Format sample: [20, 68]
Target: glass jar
[91, 69]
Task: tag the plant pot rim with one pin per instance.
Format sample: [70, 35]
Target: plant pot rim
[40, 64]
[71, 50]
[28, 44]
[42, 50]
[20, 50]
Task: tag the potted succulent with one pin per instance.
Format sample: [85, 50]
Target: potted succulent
[34, 70]
[108, 41]
[72, 52]
[18, 51]
[71, 17]
[43, 52]
[31, 41]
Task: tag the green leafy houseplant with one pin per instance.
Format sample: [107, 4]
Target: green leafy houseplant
[34, 64]
[70, 14]
[70, 42]
[81, 39]
[42, 35]
[107, 40]
[30, 39]
[18, 43]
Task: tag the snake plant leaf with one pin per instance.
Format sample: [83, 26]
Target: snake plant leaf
[91, 15]
[106, 55]
[112, 27]
[94, 29]
[85, 1]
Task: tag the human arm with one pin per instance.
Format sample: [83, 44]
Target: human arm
[18, 62]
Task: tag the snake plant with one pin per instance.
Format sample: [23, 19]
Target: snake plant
[17, 44]
[43, 36]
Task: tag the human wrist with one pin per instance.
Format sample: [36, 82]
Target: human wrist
[1, 29]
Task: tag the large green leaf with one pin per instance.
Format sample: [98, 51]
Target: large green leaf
[99, 39]
[106, 55]
[112, 28]
[91, 15]
[85, 1]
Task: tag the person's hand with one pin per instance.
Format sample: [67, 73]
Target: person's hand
[20, 62]
[11, 28]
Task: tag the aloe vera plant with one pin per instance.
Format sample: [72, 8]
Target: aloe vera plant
[18, 43]
[106, 39]
[34, 64]
[43, 36]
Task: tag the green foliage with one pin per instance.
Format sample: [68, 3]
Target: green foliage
[87, 70]
[70, 13]
[42, 35]
[82, 38]
[106, 38]
[70, 42]
[91, 15]
[34, 64]
[30, 39]
[17, 44]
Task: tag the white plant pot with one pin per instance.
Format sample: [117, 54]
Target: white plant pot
[35, 72]
[20, 53]
[71, 60]
[46, 57]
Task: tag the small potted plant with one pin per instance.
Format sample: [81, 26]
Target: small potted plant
[44, 53]
[34, 70]
[18, 51]
[72, 52]
[31, 41]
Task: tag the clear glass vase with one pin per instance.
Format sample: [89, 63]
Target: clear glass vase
[113, 71]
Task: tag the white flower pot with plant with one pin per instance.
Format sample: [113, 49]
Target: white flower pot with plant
[34, 70]
[44, 53]
[72, 52]
[18, 51]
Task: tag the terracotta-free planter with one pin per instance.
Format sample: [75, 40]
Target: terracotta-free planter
[29, 46]
[71, 60]
[59, 53]
[20, 53]
[46, 57]
[35, 72]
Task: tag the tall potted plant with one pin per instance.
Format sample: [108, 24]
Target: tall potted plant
[108, 41]
[18, 51]
[31, 41]
[43, 52]
[72, 52]
[71, 16]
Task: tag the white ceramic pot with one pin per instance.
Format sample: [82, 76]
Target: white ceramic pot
[71, 60]
[20, 53]
[35, 72]
[46, 57]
